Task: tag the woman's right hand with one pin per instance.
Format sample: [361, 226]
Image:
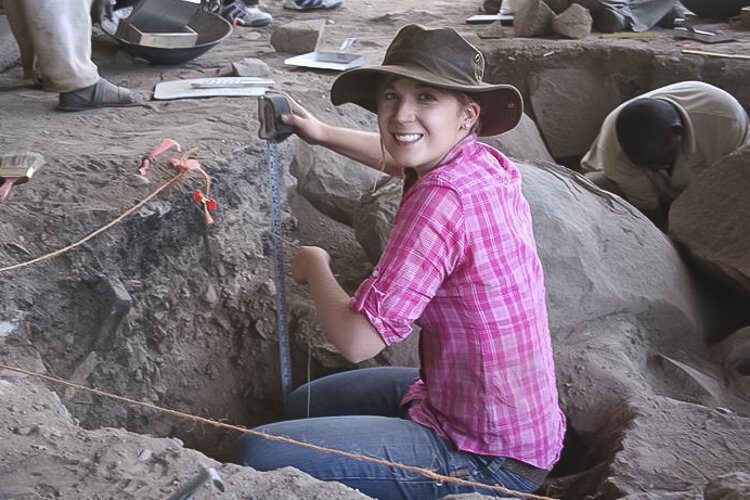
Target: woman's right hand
[306, 125]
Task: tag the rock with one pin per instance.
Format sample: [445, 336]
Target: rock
[532, 18]
[710, 219]
[570, 119]
[575, 22]
[732, 486]
[298, 37]
[250, 66]
[81, 373]
[331, 182]
[75, 462]
[522, 143]
[665, 446]
[373, 218]
[491, 6]
[733, 355]
[114, 305]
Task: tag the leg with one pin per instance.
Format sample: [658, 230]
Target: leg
[16, 13]
[396, 440]
[61, 38]
[369, 391]
[648, 13]
[638, 15]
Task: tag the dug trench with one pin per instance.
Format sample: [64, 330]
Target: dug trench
[167, 309]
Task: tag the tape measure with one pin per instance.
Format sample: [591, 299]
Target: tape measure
[274, 179]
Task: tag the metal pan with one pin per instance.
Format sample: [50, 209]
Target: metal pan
[211, 29]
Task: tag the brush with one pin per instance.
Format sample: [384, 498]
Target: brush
[17, 168]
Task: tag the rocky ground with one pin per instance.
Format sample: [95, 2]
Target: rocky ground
[163, 308]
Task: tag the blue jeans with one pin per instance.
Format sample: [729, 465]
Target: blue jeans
[359, 412]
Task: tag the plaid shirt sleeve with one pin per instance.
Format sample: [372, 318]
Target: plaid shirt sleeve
[425, 245]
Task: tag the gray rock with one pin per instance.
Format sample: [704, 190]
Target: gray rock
[570, 120]
[674, 446]
[373, 218]
[298, 37]
[532, 18]
[575, 22]
[119, 458]
[333, 184]
[732, 486]
[711, 219]
[250, 66]
[733, 355]
[522, 143]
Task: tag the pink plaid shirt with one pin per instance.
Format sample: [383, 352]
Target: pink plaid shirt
[462, 264]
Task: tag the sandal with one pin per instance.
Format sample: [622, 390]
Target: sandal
[101, 94]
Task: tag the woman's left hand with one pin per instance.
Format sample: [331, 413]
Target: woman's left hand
[307, 260]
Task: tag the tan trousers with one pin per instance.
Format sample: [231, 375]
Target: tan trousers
[54, 38]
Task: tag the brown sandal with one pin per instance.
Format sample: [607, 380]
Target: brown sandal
[101, 94]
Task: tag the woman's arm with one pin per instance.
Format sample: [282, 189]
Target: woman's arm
[350, 331]
[358, 145]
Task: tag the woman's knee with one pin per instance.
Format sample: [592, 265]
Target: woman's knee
[259, 453]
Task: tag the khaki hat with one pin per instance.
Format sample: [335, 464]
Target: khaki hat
[440, 58]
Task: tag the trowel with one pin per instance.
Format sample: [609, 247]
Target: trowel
[340, 60]
[684, 30]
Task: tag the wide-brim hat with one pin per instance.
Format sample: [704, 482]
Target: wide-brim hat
[440, 58]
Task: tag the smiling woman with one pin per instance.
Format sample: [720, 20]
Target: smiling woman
[483, 407]
[419, 124]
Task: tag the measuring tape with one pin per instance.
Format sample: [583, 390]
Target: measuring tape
[274, 179]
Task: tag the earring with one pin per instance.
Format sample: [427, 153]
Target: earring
[467, 125]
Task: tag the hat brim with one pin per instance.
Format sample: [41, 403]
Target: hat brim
[501, 104]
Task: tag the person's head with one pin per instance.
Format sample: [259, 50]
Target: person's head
[650, 132]
[428, 94]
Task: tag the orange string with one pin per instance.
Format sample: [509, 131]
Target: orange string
[411, 468]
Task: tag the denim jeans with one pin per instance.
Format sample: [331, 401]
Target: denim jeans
[359, 412]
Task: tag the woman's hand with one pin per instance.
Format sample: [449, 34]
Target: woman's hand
[306, 125]
[307, 260]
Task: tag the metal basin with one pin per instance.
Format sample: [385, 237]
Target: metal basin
[211, 29]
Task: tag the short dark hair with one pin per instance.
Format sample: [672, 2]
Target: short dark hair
[646, 121]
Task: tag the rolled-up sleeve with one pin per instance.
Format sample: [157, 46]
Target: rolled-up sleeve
[424, 247]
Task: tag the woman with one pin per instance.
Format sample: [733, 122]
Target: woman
[461, 262]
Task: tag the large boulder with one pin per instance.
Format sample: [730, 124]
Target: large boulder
[570, 104]
[629, 326]
[710, 218]
[524, 142]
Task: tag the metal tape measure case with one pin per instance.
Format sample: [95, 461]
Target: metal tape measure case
[270, 109]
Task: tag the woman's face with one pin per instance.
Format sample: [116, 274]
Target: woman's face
[419, 124]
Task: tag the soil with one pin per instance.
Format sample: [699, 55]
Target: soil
[163, 307]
